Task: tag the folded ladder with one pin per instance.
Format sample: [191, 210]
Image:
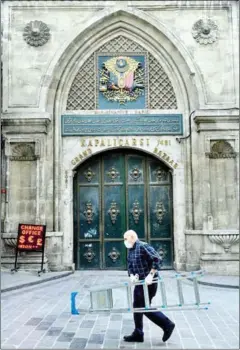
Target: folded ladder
[101, 298]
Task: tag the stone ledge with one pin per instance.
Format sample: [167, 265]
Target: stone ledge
[217, 119]
[216, 113]
[25, 125]
[219, 257]
[211, 232]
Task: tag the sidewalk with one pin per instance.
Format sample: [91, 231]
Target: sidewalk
[40, 317]
[21, 279]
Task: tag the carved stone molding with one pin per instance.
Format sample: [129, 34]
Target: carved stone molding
[11, 242]
[205, 31]
[221, 149]
[36, 33]
[225, 240]
[16, 123]
[23, 152]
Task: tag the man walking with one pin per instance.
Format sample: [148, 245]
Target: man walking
[143, 263]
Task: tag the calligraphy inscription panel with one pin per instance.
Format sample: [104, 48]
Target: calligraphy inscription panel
[83, 125]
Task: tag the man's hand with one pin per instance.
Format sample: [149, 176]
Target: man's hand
[149, 278]
[134, 278]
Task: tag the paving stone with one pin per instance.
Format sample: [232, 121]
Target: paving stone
[186, 333]
[36, 334]
[173, 346]
[34, 321]
[233, 342]
[110, 344]
[54, 331]
[206, 328]
[93, 346]
[190, 344]
[82, 333]
[9, 346]
[43, 326]
[28, 344]
[127, 345]
[116, 317]
[87, 324]
[96, 339]
[47, 340]
[61, 345]
[112, 334]
[66, 337]
[78, 343]
[144, 345]
[96, 330]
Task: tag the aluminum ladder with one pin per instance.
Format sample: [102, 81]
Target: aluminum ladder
[101, 298]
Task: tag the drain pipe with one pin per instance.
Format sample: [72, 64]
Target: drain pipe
[179, 140]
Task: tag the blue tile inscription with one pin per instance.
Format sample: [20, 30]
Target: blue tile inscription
[131, 124]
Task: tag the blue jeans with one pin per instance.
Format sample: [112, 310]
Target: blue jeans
[156, 317]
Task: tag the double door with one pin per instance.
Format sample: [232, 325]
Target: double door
[114, 192]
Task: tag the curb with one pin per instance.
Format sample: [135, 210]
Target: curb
[216, 284]
[29, 284]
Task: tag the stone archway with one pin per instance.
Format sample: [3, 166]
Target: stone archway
[178, 69]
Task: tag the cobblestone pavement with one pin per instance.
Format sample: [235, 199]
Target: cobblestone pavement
[39, 317]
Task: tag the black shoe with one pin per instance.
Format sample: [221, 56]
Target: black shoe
[168, 332]
[134, 337]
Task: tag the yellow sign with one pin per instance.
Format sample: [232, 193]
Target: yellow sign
[122, 142]
[81, 156]
[166, 157]
[103, 142]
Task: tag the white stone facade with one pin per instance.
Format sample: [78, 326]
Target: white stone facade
[203, 70]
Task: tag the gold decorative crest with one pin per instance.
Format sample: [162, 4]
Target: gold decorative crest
[121, 79]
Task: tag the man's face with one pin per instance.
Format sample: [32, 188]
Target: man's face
[128, 238]
[128, 241]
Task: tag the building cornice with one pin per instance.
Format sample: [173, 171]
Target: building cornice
[25, 125]
[217, 119]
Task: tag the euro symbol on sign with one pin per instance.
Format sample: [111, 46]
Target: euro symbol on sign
[30, 239]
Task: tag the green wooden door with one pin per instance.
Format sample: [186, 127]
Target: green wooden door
[114, 192]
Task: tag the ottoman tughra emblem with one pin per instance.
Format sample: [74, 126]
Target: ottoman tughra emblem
[36, 33]
[205, 31]
[121, 79]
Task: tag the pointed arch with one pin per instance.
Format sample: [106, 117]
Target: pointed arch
[141, 28]
[159, 88]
